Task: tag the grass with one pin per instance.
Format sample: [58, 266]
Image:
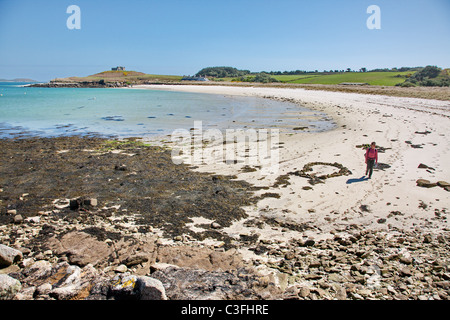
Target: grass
[372, 78]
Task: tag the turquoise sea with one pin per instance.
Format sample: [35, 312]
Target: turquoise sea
[48, 112]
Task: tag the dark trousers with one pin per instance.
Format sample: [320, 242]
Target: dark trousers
[370, 164]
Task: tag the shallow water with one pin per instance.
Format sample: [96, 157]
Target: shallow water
[49, 112]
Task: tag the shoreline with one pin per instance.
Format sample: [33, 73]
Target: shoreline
[437, 93]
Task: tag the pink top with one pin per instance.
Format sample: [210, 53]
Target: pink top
[372, 154]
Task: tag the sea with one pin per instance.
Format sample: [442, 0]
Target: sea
[122, 112]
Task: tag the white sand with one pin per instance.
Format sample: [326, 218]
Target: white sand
[336, 205]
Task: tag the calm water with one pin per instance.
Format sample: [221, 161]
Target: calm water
[49, 112]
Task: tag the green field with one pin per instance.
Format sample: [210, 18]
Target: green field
[372, 78]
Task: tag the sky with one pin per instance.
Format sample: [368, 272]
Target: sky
[180, 37]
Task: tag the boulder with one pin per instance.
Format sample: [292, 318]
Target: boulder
[9, 287]
[150, 289]
[131, 287]
[8, 256]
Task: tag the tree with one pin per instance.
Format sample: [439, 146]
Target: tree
[363, 70]
[222, 72]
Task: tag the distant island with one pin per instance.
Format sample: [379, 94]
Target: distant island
[18, 80]
[115, 78]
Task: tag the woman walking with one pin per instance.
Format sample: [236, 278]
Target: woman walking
[371, 158]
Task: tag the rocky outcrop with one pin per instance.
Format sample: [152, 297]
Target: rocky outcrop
[199, 284]
[81, 248]
[81, 84]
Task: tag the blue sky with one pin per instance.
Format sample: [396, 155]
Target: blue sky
[182, 36]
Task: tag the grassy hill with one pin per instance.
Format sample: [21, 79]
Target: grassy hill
[129, 77]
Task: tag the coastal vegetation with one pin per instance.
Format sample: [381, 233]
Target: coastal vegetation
[404, 76]
[430, 76]
[221, 72]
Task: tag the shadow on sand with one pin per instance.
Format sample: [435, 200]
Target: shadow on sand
[363, 178]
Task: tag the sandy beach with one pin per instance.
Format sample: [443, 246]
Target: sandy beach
[409, 132]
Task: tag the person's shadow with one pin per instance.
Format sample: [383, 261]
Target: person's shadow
[363, 178]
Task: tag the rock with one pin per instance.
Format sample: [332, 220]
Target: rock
[405, 259]
[90, 202]
[405, 272]
[9, 287]
[38, 270]
[289, 255]
[44, 289]
[18, 219]
[122, 268]
[314, 264]
[122, 287]
[12, 268]
[8, 256]
[428, 238]
[128, 286]
[291, 293]
[81, 248]
[308, 243]
[12, 212]
[424, 166]
[215, 225]
[34, 220]
[425, 183]
[135, 260]
[304, 292]
[150, 289]
[341, 293]
[121, 167]
[75, 282]
[336, 277]
[158, 266]
[443, 184]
